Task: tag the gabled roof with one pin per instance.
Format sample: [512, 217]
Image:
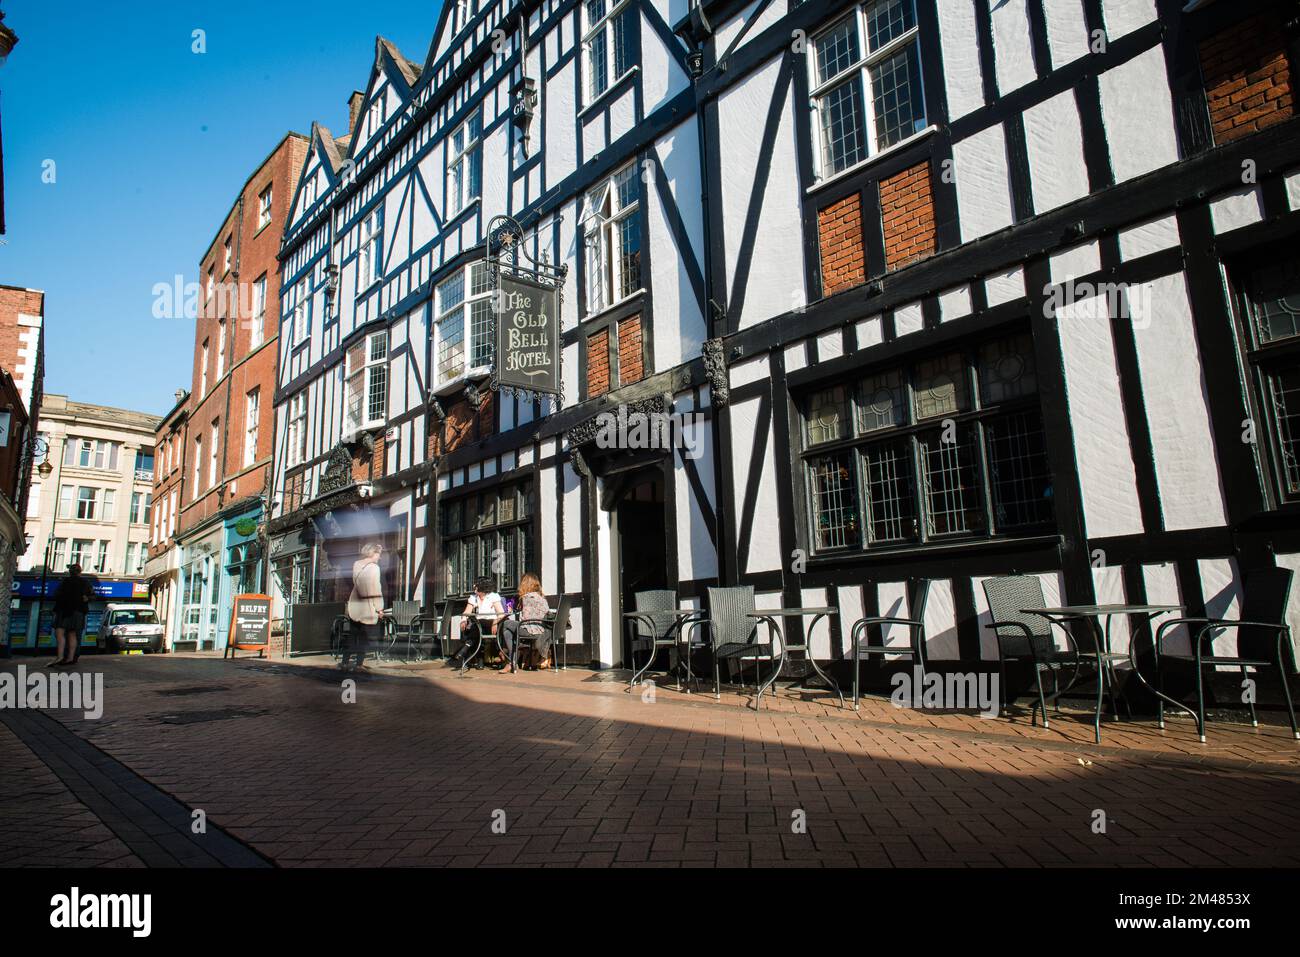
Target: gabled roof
[389, 64]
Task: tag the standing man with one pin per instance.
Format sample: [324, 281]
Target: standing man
[71, 603]
[365, 605]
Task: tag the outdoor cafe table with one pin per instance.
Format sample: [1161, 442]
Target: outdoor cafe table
[1092, 615]
[681, 617]
[783, 660]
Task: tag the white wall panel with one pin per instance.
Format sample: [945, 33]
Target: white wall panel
[959, 42]
[678, 323]
[764, 545]
[1067, 31]
[1138, 115]
[558, 109]
[1013, 54]
[983, 185]
[1054, 140]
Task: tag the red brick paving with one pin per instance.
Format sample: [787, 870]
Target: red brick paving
[587, 774]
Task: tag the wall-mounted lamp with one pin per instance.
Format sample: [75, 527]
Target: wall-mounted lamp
[524, 106]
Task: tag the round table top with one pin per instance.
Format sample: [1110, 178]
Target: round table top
[792, 612]
[1093, 610]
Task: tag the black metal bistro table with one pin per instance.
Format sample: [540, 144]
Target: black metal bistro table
[673, 637]
[1092, 614]
[798, 668]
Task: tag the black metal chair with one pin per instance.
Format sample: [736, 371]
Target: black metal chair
[554, 627]
[1261, 629]
[654, 626]
[398, 624]
[732, 633]
[1022, 637]
[860, 636]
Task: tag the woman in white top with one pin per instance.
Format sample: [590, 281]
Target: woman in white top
[483, 613]
[365, 606]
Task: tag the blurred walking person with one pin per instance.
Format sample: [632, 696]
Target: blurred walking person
[365, 607]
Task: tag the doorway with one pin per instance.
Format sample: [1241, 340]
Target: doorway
[642, 545]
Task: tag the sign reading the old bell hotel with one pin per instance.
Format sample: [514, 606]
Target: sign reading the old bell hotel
[528, 335]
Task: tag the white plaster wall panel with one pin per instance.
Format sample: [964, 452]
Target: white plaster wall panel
[593, 133]
[954, 304]
[983, 184]
[696, 556]
[1012, 51]
[572, 492]
[796, 356]
[1138, 116]
[1161, 581]
[959, 43]
[984, 618]
[1150, 237]
[569, 255]
[1173, 386]
[1108, 586]
[569, 373]
[820, 634]
[764, 545]
[1054, 140]
[830, 345]
[908, 318]
[849, 601]
[661, 77]
[1292, 561]
[1101, 440]
[868, 332]
[397, 226]
[622, 114]
[727, 33]
[679, 331]
[776, 272]
[495, 172]
[1124, 16]
[1067, 31]
[1221, 591]
[891, 599]
[428, 175]
[550, 515]
[573, 573]
[743, 373]
[525, 456]
[769, 15]
[940, 622]
[1292, 183]
[576, 632]
[1077, 261]
[1003, 287]
[1242, 207]
[558, 110]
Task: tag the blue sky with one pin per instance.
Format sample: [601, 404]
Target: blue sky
[151, 143]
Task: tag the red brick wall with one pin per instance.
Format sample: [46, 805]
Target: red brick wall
[907, 210]
[839, 234]
[630, 364]
[244, 368]
[1247, 78]
[598, 364]
[463, 425]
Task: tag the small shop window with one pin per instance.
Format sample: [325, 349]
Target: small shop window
[487, 534]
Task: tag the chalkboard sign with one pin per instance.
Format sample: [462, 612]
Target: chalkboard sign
[528, 335]
[250, 624]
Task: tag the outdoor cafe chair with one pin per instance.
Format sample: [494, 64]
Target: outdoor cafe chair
[654, 626]
[1260, 633]
[732, 632]
[1022, 637]
[860, 636]
[554, 626]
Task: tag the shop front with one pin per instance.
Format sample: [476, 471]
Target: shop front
[202, 594]
[31, 613]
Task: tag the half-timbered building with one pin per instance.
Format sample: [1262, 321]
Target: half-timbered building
[932, 291]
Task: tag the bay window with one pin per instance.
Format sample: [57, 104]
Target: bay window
[488, 534]
[465, 163]
[612, 233]
[866, 85]
[464, 310]
[947, 447]
[366, 374]
[608, 44]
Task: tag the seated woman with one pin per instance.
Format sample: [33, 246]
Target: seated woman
[483, 613]
[533, 610]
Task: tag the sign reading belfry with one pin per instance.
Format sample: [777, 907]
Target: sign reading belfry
[528, 335]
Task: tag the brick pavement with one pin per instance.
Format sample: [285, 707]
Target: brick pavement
[581, 772]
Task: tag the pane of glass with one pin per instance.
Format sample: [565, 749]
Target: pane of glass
[451, 345]
[1275, 301]
[597, 65]
[828, 415]
[625, 188]
[629, 243]
[487, 509]
[624, 51]
[950, 476]
[1019, 476]
[891, 500]
[475, 161]
[888, 20]
[378, 347]
[525, 533]
[1007, 369]
[377, 400]
[834, 501]
[1284, 387]
[880, 401]
[941, 386]
[844, 140]
[506, 505]
[896, 97]
[480, 280]
[452, 292]
[836, 49]
[451, 516]
[475, 125]
[525, 501]
[480, 332]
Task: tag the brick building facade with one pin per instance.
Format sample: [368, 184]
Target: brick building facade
[22, 375]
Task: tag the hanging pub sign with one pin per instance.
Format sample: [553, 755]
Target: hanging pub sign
[528, 335]
[525, 313]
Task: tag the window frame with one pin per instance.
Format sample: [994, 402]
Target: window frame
[607, 26]
[975, 423]
[370, 250]
[602, 240]
[295, 433]
[460, 542]
[859, 71]
[257, 322]
[373, 367]
[252, 411]
[463, 193]
[264, 200]
[473, 343]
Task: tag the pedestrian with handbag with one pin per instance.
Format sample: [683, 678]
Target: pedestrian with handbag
[365, 607]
